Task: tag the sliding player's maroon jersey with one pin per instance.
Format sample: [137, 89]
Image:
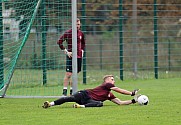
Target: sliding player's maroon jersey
[102, 92]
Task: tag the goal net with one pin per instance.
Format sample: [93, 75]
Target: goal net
[31, 59]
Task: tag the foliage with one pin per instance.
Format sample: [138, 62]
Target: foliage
[106, 12]
[102, 13]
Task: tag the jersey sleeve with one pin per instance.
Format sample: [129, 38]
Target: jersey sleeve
[109, 85]
[61, 40]
[111, 96]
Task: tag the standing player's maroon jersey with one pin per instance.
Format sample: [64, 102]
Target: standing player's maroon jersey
[67, 36]
[102, 92]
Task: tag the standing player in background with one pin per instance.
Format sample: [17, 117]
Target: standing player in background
[67, 36]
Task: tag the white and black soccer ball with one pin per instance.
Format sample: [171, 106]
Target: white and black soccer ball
[143, 100]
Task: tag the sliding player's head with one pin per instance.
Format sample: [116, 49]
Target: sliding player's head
[109, 79]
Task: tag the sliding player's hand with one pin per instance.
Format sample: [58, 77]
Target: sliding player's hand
[134, 92]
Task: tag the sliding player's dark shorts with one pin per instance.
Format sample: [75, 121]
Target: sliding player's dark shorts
[82, 97]
[69, 64]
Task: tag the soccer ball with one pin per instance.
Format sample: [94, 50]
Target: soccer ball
[143, 100]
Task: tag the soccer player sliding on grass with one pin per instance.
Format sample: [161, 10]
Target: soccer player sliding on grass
[96, 96]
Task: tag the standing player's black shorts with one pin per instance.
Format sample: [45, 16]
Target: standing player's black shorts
[69, 64]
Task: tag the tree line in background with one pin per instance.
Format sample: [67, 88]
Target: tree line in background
[104, 12]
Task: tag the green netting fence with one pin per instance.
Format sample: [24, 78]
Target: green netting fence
[130, 39]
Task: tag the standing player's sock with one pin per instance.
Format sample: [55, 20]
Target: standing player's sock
[70, 90]
[65, 91]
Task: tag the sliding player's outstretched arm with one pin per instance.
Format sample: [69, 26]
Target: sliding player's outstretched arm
[119, 102]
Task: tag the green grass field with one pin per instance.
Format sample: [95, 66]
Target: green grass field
[164, 108]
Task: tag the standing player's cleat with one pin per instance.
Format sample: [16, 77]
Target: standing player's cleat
[76, 106]
[136, 97]
[46, 104]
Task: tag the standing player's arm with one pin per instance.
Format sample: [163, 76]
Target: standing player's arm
[83, 45]
[122, 91]
[60, 43]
